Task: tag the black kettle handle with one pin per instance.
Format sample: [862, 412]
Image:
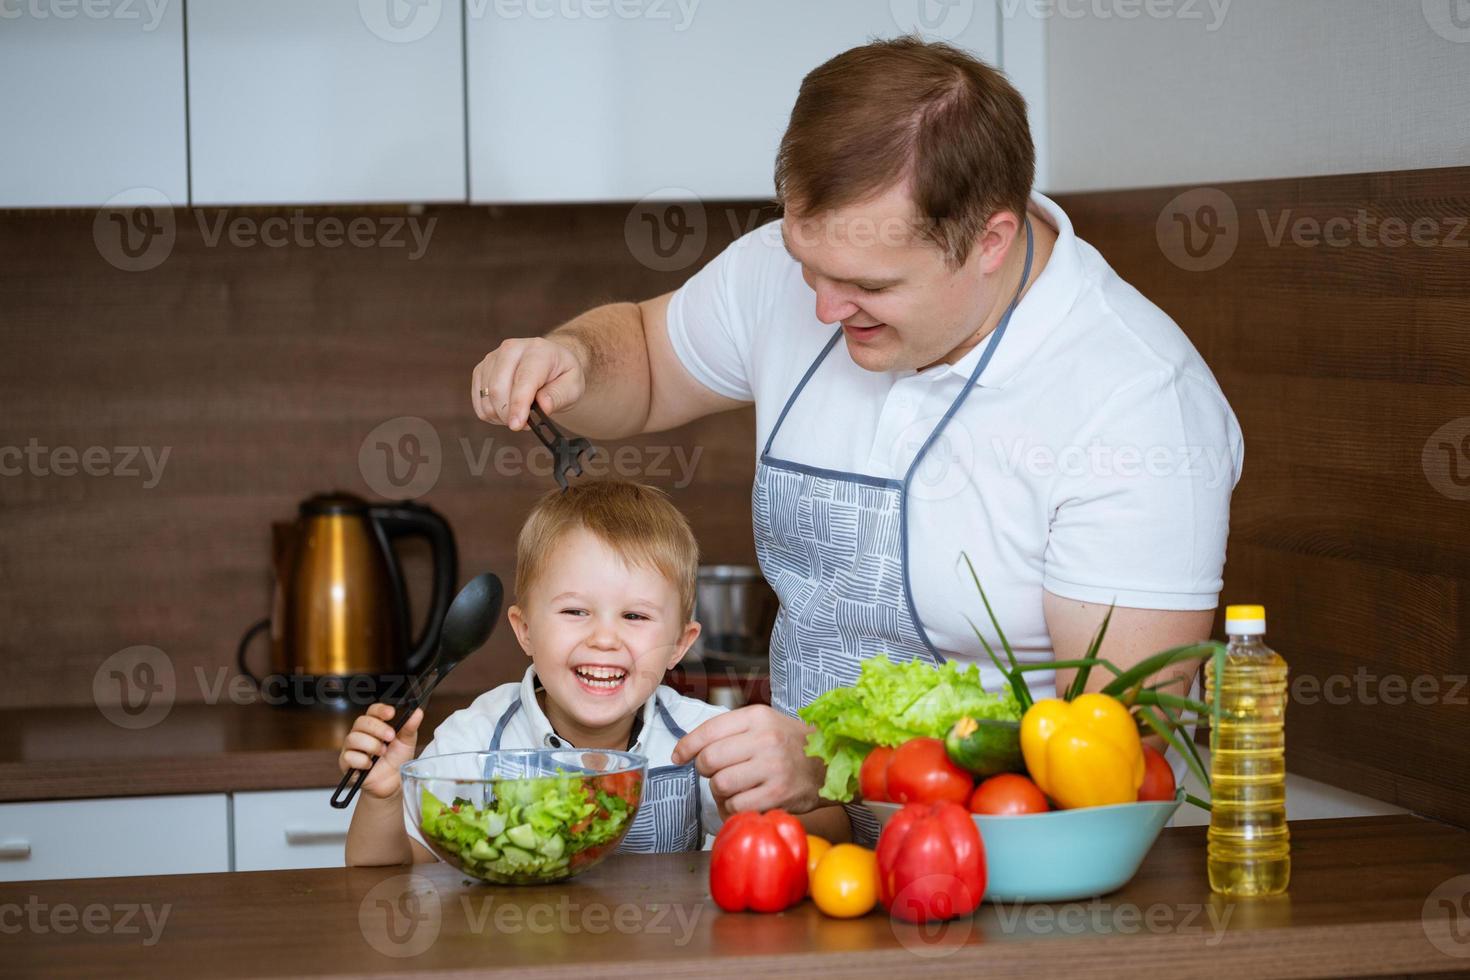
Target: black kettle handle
[409, 519]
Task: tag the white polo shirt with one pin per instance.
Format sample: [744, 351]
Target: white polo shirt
[1094, 458]
[471, 730]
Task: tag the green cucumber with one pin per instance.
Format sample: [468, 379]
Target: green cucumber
[524, 836]
[986, 746]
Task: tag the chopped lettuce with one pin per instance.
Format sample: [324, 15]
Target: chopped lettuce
[890, 704]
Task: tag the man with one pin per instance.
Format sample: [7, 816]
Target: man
[991, 387]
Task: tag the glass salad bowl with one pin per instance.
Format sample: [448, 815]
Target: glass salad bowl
[524, 816]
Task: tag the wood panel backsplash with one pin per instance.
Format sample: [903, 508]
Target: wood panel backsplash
[1333, 311]
[165, 417]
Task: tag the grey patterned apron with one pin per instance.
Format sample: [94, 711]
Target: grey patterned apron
[834, 546]
[668, 815]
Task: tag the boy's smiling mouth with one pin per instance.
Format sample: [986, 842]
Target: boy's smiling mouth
[599, 678]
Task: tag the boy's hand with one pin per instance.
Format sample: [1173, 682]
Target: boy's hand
[371, 735]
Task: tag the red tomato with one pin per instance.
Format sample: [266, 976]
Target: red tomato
[921, 772]
[1158, 776]
[873, 777]
[1007, 795]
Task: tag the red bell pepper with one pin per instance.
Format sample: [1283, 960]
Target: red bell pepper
[931, 863]
[759, 862]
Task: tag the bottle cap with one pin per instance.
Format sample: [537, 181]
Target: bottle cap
[1248, 620]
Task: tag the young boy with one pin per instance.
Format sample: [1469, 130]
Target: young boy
[605, 578]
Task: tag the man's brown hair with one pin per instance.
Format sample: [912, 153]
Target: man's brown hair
[636, 521]
[926, 113]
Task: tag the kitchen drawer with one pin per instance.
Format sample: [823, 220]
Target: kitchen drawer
[289, 829]
[144, 835]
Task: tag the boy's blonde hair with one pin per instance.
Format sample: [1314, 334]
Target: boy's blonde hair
[638, 522]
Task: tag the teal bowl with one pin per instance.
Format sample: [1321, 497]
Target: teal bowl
[1063, 855]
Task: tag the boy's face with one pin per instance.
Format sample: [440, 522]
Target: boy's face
[601, 633]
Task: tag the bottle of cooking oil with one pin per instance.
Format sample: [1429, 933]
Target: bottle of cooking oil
[1249, 850]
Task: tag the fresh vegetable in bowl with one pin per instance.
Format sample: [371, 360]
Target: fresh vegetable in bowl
[985, 746]
[1008, 794]
[1083, 752]
[516, 825]
[889, 705]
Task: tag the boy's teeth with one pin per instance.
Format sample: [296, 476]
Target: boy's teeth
[602, 676]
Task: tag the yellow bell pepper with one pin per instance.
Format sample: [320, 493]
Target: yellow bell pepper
[1084, 752]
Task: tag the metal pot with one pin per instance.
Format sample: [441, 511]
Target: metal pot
[737, 609]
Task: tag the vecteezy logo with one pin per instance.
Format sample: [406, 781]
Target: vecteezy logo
[934, 939]
[1450, 19]
[942, 19]
[401, 458]
[400, 916]
[666, 231]
[1449, 904]
[948, 461]
[400, 21]
[134, 688]
[134, 230]
[1446, 459]
[1199, 230]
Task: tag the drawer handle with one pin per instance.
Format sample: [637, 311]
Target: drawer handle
[15, 850]
[304, 838]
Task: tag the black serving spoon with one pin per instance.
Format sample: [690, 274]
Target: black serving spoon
[467, 625]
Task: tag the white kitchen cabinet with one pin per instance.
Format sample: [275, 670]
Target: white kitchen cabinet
[330, 101]
[578, 100]
[143, 835]
[94, 104]
[288, 829]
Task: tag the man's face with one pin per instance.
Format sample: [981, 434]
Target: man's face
[900, 304]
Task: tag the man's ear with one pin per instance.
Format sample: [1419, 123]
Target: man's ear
[691, 633]
[1001, 233]
[522, 628]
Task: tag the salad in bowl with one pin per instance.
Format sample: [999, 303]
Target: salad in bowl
[524, 816]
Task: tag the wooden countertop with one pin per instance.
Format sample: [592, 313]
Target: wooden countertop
[71, 753]
[1363, 901]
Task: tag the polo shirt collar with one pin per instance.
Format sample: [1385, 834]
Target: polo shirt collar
[546, 736]
[1047, 302]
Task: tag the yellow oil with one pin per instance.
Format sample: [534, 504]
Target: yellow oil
[1249, 846]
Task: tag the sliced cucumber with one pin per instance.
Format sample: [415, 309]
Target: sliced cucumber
[523, 835]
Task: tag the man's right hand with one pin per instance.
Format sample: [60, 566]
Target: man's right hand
[519, 371]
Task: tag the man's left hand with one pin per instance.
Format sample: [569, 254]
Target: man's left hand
[755, 759]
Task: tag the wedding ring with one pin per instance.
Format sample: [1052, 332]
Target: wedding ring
[484, 392]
